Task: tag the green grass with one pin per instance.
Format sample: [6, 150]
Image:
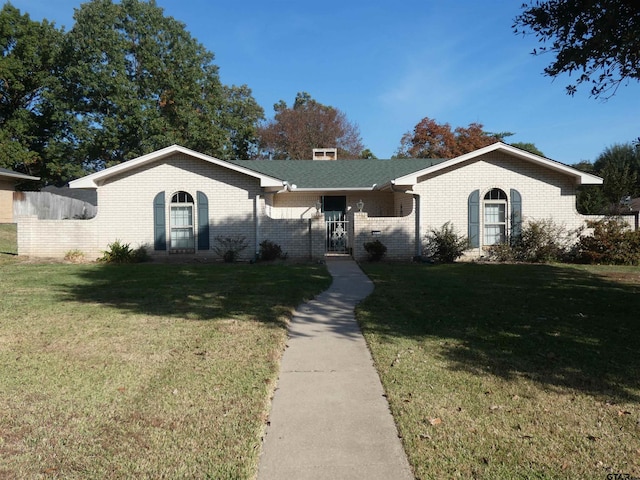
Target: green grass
[8, 239]
[141, 371]
[510, 371]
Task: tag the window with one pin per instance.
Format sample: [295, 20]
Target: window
[181, 218]
[495, 217]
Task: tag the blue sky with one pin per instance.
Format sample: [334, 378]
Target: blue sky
[388, 64]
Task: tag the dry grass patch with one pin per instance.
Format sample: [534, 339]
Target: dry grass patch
[510, 371]
[145, 371]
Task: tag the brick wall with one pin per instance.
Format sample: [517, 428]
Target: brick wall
[237, 206]
[54, 238]
[545, 194]
[396, 233]
[299, 238]
[6, 203]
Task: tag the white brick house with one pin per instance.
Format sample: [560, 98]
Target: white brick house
[177, 202]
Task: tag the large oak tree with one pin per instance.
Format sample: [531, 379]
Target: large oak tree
[34, 127]
[140, 82]
[124, 81]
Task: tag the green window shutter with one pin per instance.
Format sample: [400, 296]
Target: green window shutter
[474, 219]
[203, 221]
[516, 213]
[159, 223]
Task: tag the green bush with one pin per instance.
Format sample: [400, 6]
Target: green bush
[74, 256]
[119, 252]
[444, 245]
[270, 251]
[375, 250]
[612, 242]
[540, 241]
[229, 248]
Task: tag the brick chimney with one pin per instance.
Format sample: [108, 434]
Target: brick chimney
[325, 153]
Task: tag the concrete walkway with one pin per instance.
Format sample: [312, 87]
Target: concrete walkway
[329, 418]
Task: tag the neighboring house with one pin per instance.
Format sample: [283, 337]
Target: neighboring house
[177, 201]
[8, 181]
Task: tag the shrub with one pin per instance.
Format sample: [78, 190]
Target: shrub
[229, 248]
[612, 242]
[119, 252]
[501, 252]
[375, 250]
[542, 241]
[74, 256]
[444, 245]
[270, 251]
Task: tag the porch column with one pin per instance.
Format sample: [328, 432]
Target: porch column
[416, 201]
[256, 215]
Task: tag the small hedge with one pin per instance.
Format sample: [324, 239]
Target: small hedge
[270, 251]
[375, 250]
[612, 242]
[119, 252]
[444, 245]
[229, 248]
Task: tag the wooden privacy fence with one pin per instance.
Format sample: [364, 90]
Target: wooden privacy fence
[49, 206]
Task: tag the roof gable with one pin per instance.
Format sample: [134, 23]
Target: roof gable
[95, 179]
[313, 175]
[580, 177]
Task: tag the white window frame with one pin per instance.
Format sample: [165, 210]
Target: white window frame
[182, 235]
[494, 230]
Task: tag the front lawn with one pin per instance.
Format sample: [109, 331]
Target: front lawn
[510, 371]
[141, 371]
[8, 238]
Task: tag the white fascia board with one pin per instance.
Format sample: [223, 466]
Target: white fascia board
[94, 180]
[350, 189]
[17, 176]
[582, 178]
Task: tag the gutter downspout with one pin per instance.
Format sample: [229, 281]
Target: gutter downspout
[418, 251]
[257, 225]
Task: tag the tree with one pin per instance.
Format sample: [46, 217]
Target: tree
[368, 155]
[619, 166]
[430, 139]
[138, 81]
[33, 126]
[597, 40]
[529, 147]
[295, 131]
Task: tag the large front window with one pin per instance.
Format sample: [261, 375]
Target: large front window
[495, 217]
[182, 233]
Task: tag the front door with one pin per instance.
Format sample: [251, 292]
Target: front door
[335, 209]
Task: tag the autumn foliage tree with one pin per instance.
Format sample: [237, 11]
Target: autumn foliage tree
[295, 131]
[431, 139]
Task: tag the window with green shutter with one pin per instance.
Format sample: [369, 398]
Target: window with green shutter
[474, 219]
[516, 213]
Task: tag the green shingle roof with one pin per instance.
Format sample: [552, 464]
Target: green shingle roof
[336, 174]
